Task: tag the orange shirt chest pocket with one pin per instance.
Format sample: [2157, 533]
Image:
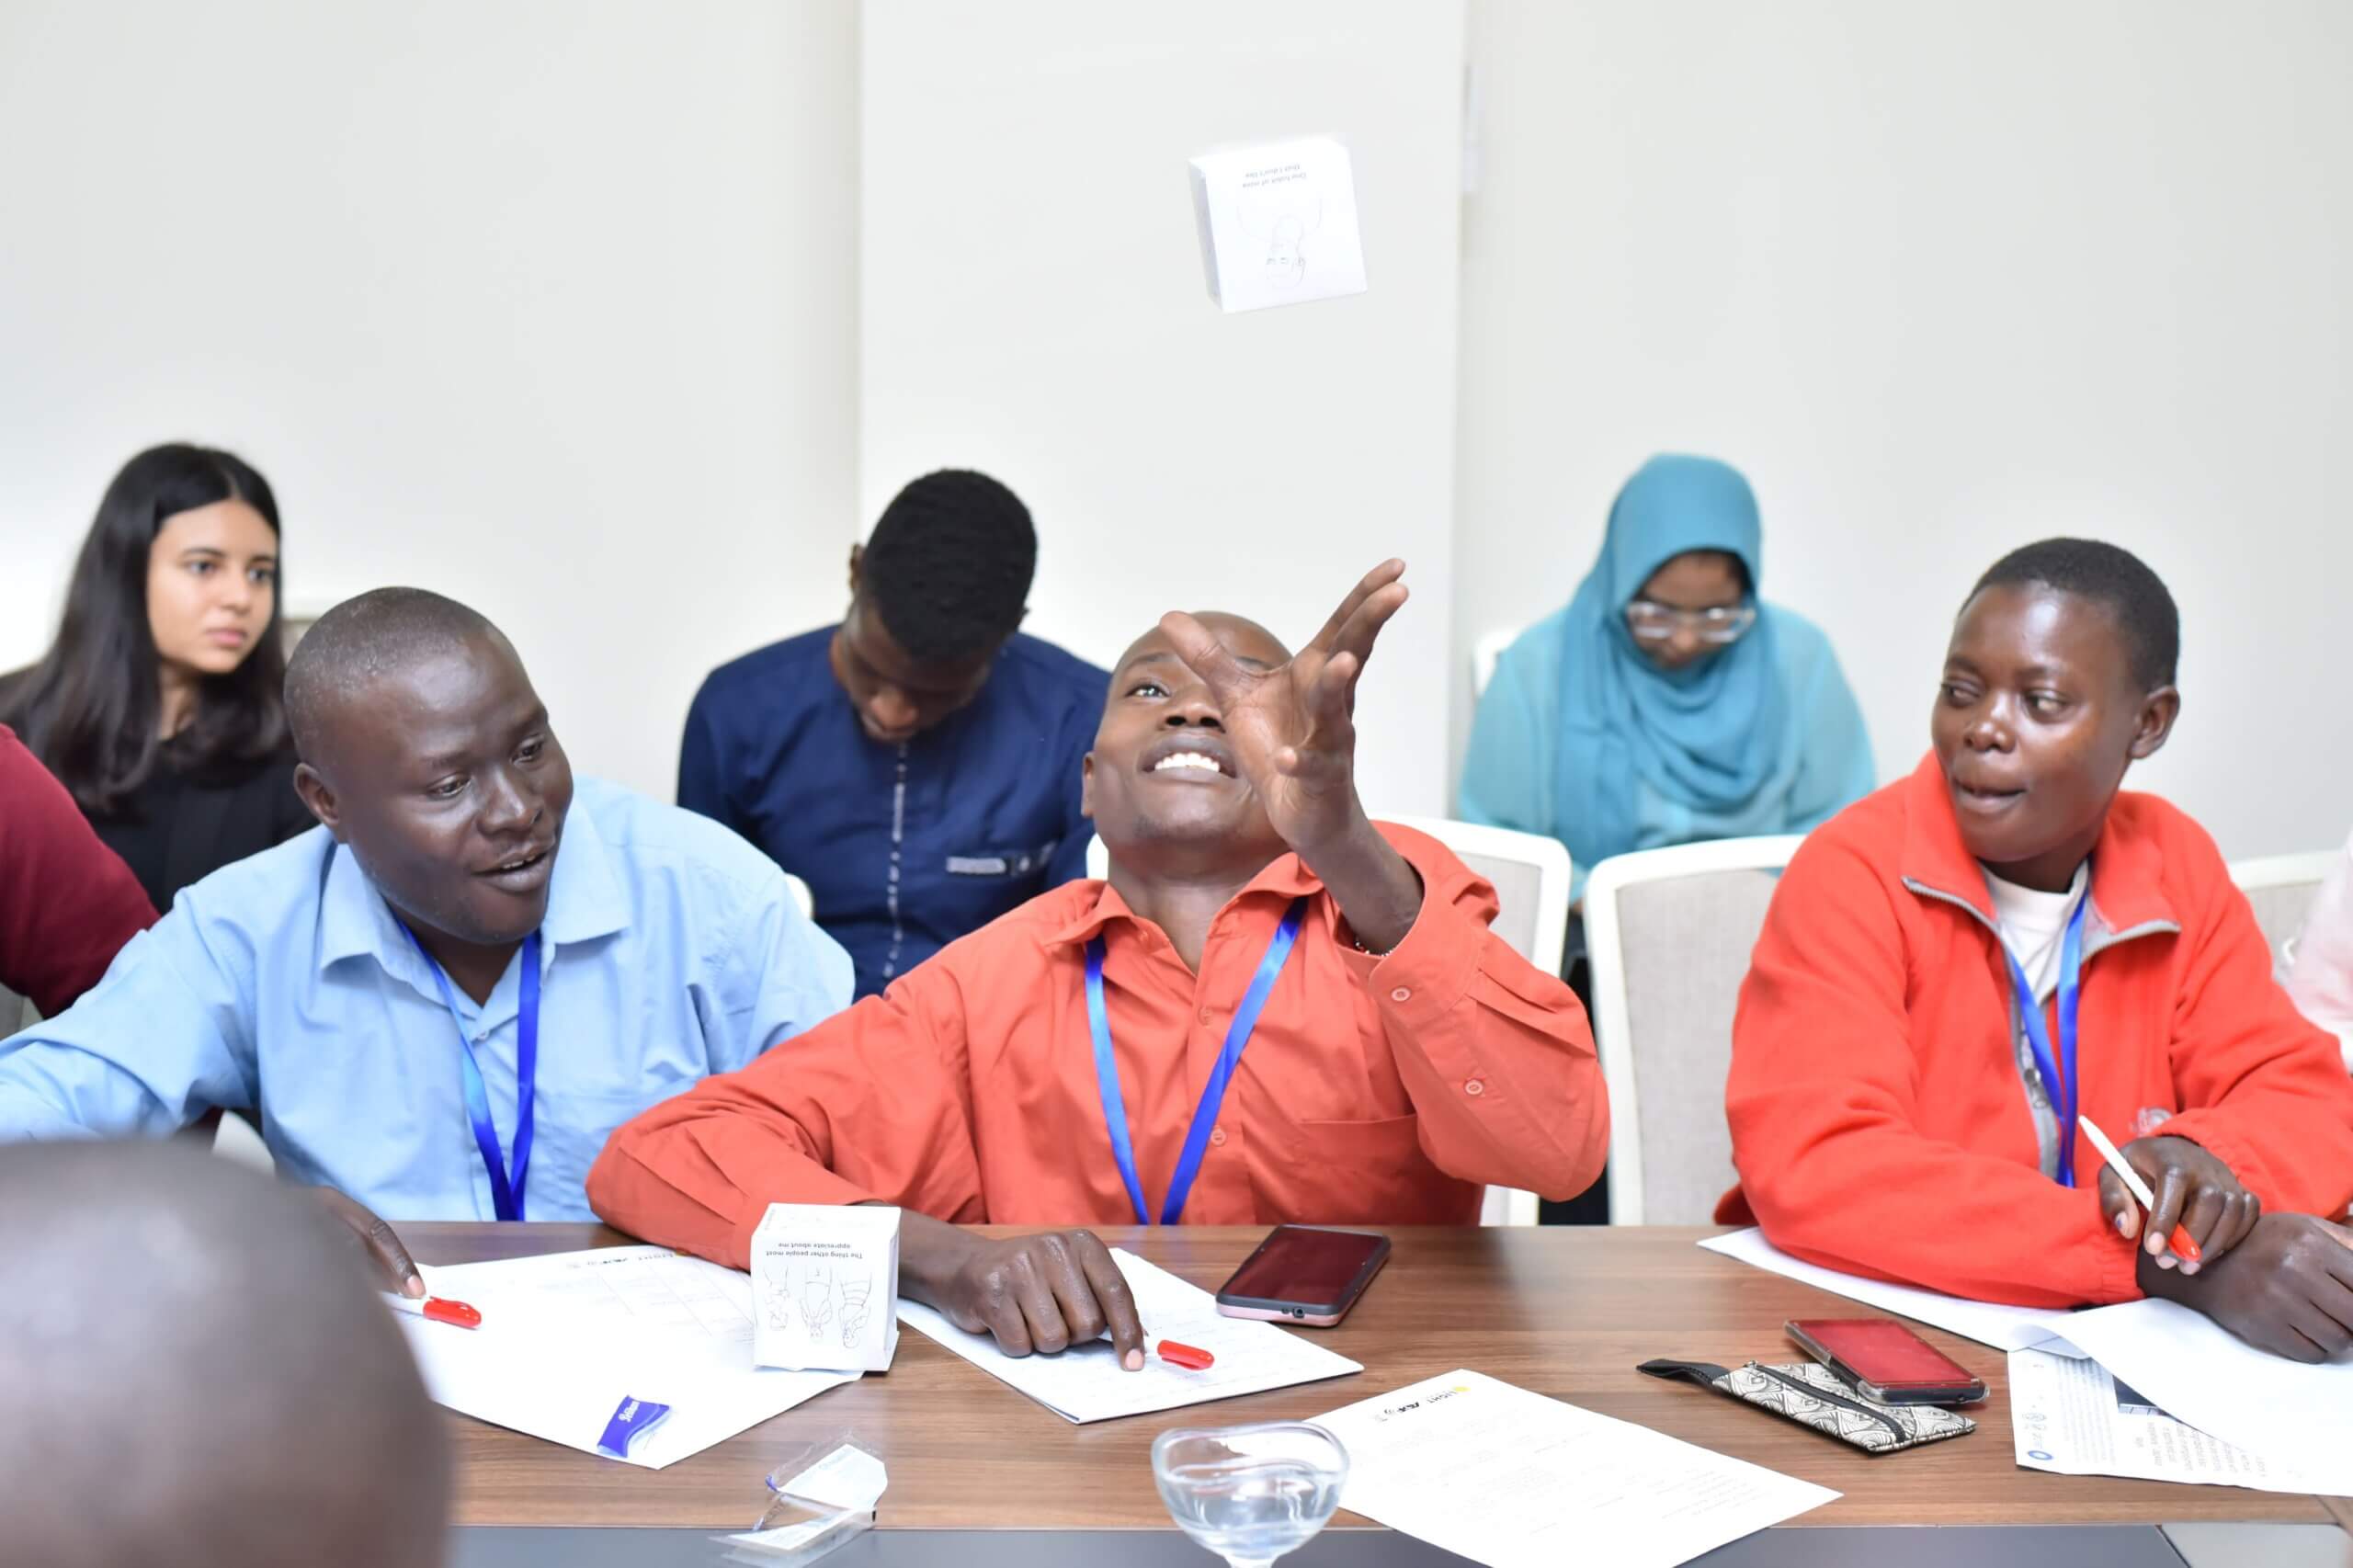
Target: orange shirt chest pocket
[1334, 1136]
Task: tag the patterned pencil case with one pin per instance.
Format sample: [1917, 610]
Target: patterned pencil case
[1812, 1395]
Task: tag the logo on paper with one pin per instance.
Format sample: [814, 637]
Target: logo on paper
[1412, 1405]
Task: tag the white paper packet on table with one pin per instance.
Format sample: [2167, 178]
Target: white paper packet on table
[823, 1496]
[1515, 1480]
[570, 1341]
[1084, 1383]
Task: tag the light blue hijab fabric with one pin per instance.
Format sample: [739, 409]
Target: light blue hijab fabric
[1708, 736]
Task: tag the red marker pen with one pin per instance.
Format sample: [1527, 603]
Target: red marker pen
[437, 1309]
[1191, 1357]
[2185, 1246]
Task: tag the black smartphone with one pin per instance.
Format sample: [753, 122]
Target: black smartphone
[1303, 1274]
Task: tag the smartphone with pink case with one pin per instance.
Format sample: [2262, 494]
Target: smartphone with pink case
[1308, 1275]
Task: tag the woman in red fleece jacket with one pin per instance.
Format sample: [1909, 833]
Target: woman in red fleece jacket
[1888, 1114]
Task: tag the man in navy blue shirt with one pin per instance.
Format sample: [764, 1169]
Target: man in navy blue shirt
[917, 765]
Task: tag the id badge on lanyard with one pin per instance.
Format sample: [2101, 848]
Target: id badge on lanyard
[506, 1183]
[1205, 1114]
[2057, 1068]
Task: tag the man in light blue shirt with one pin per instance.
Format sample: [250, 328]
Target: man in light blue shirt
[363, 987]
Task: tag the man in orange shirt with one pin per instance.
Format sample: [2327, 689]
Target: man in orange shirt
[1956, 966]
[1068, 1062]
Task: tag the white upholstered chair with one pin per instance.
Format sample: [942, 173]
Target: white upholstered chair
[2281, 888]
[1668, 934]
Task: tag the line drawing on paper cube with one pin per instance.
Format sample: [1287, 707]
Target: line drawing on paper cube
[817, 1297]
[778, 1274]
[857, 1296]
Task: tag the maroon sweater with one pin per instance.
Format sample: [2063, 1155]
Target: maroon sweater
[67, 903]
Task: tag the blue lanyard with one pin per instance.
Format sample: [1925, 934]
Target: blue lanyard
[2058, 1074]
[506, 1190]
[1237, 1041]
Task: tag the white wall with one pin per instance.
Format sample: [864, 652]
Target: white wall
[558, 306]
[1032, 304]
[1942, 280]
[549, 304]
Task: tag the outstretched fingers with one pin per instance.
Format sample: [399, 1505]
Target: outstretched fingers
[1331, 639]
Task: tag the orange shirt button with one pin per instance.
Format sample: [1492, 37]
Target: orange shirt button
[1217, 1136]
[1474, 1087]
[1205, 1015]
[1401, 994]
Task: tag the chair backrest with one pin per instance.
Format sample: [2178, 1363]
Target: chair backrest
[2281, 888]
[1530, 874]
[1531, 877]
[802, 898]
[1486, 652]
[1668, 934]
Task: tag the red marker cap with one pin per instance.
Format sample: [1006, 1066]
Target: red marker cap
[1191, 1357]
[456, 1314]
[438, 1308]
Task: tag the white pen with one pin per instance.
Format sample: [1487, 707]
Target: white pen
[2184, 1246]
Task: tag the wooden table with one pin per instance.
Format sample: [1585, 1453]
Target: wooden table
[1565, 1311]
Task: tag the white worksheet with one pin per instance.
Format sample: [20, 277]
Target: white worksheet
[2004, 1328]
[1513, 1480]
[1087, 1383]
[2291, 1415]
[2069, 1417]
[567, 1338]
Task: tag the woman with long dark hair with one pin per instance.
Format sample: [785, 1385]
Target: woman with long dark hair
[158, 705]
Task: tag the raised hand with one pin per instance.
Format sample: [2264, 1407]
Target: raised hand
[1293, 728]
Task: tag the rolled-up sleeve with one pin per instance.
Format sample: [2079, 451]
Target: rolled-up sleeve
[1497, 1055]
[873, 1104]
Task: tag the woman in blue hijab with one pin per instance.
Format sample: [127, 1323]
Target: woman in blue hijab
[1667, 703]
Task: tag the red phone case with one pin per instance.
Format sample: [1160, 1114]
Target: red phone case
[1886, 1361]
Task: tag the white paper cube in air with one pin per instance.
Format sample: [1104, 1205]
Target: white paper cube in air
[1279, 224]
[825, 1288]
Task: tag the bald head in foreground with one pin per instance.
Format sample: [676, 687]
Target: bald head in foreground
[1383, 1053]
[199, 1374]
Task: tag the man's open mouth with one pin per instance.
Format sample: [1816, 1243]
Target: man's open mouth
[521, 865]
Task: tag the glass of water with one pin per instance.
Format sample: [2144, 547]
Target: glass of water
[1250, 1493]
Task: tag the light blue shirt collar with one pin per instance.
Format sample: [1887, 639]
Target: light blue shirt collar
[585, 900]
